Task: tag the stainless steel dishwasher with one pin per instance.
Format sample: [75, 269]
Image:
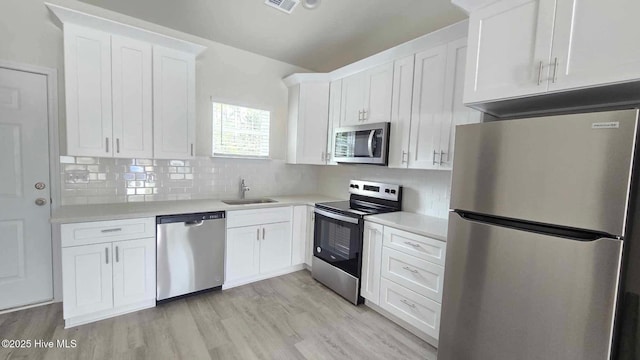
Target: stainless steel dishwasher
[190, 253]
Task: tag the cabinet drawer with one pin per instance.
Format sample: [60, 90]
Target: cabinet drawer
[239, 218]
[413, 308]
[419, 246]
[106, 231]
[418, 275]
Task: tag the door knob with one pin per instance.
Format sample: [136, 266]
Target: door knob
[41, 201]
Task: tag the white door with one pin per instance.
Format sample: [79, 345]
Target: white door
[588, 54]
[352, 100]
[87, 66]
[174, 104]
[401, 112]
[25, 232]
[378, 86]
[313, 117]
[132, 98]
[427, 108]
[335, 100]
[371, 261]
[299, 235]
[243, 253]
[509, 50]
[275, 247]
[134, 271]
[87, 279]
[455, 113]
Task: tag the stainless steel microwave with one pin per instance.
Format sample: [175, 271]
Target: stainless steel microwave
[362, 144]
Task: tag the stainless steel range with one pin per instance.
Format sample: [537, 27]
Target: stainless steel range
[339, 227]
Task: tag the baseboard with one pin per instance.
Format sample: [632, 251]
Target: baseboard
[245, 281]
[105, 314]
[412, 329]
[25, 307]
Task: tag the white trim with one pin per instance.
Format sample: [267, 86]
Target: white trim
[10, 310]
[67, 15]
[54, 159]
[295, 79]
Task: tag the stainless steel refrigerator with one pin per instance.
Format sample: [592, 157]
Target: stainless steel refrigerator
[540, 217]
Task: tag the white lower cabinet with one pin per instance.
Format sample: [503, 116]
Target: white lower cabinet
[311, 225]
[108, 269]
[371, 259]
[299, 235]
[257, 249]
[402, 274]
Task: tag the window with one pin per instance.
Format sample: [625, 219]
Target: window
[240, 131]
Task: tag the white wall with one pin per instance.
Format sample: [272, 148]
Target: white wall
[424, 191]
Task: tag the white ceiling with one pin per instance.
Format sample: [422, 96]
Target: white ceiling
[335, 34]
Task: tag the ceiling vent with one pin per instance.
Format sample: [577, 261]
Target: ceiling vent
[283, 5]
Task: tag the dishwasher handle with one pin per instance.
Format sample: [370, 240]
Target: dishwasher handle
[193, 223]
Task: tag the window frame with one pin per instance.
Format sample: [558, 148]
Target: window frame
[237, 156]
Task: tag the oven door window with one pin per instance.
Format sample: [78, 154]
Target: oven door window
[338, 243]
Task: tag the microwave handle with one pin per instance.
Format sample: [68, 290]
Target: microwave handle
[370, 143]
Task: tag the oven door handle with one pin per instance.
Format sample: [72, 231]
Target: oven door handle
[370, 142]
[336, 216]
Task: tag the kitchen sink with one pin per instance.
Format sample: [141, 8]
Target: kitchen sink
[248, 201]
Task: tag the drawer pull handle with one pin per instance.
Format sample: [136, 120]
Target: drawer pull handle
[111, 230]
[411, 305]
[410, 269]
[412, 244]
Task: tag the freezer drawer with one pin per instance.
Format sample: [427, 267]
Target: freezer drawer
[511, 294]
[569, 170]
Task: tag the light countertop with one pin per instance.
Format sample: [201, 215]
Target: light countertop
[100, 212]
[429, 226]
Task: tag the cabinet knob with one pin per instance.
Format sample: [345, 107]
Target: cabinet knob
[41, 201]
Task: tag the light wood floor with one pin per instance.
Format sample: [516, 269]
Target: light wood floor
[288, 317]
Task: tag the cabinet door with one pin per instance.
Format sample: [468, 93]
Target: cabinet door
[87, 279]
[352, 99]
[134, 271]
[378, 87]
[371, 261]
[401, 112]
[588, 54]
[313, 118]
[87, 66]
[335, 101]
[299, 235]
[174, 105]
[243, 253]
[455, 113]
[427, 108]
[132, 94]
[509, 50]
[311, 222]
[275, 247]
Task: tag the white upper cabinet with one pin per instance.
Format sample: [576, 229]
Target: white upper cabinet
[455, 113]
[132, 98]
[173, 104]
[528, 47]
[87, 66]
[509, 49]
[308, 123]
[401, 112]
[335, 101]
[595, 42]
[427, 108]
[366, 96]
[130, 92]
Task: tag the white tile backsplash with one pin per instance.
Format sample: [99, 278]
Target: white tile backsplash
[424, 191]
[104, 180]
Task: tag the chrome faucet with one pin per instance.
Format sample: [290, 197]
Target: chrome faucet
[243, 188]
